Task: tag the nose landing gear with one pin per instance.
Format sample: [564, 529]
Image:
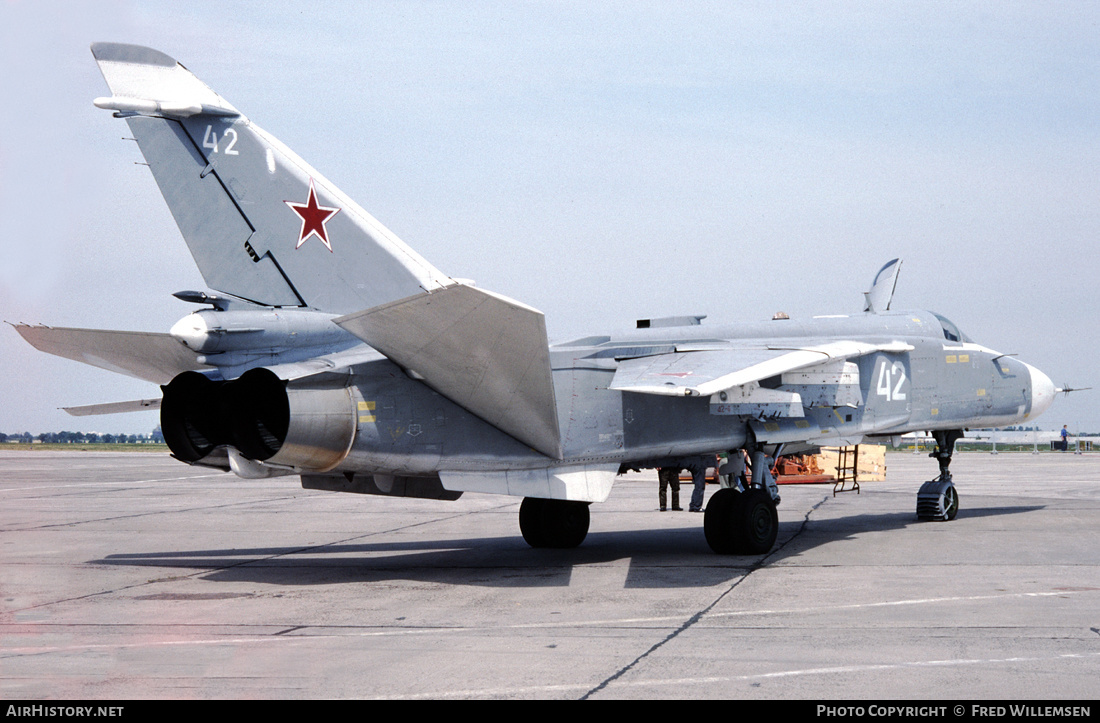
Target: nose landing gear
[938, 498]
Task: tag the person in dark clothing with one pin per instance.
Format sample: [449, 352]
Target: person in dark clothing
[698, 469]
[669, 477]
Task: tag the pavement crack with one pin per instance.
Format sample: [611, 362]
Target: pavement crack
[762, 562]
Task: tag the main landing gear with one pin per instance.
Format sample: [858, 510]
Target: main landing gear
[739, 522]
[744, 522]
[938, 499]
[553, 523]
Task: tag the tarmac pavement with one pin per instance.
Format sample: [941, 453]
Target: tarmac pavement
[132, 576]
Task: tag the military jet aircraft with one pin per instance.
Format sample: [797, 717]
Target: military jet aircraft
[331, 350]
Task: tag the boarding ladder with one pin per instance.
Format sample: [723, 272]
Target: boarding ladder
[847, 470]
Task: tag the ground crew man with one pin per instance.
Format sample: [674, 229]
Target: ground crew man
[669, 477]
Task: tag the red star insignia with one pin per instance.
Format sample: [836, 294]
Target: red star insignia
[314, 217]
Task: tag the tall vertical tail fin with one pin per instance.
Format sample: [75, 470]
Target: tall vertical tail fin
[261, 223]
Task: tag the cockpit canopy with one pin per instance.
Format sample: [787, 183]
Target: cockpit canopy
[950, 331]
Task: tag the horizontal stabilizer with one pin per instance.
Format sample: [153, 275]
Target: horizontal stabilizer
[481, 350]
[153, 357]
[702, 373]
[138, 405]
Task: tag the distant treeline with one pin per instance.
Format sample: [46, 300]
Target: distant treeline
[1073, 432]
[82, 438]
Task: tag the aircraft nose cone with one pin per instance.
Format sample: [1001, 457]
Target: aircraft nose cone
[1042, 391]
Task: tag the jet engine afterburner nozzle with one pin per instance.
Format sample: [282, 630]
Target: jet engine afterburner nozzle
[259, 416]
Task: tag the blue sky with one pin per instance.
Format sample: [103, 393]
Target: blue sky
[601, 162]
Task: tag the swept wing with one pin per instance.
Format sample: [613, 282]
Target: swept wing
[689, 372]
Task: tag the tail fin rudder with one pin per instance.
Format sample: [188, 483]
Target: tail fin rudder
[261, 223]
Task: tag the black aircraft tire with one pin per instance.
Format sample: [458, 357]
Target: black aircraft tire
[559, 524]
[530, 522]
[569, 521]
[718, 520]
[756, 523]
[950, 503]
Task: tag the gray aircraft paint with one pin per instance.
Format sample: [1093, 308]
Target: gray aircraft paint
[458, 387]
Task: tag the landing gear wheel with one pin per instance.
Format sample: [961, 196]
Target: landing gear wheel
[950, 503]
[718, 520]
[741, 522]
[756, 522]
[937, 500]
[557, 524]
